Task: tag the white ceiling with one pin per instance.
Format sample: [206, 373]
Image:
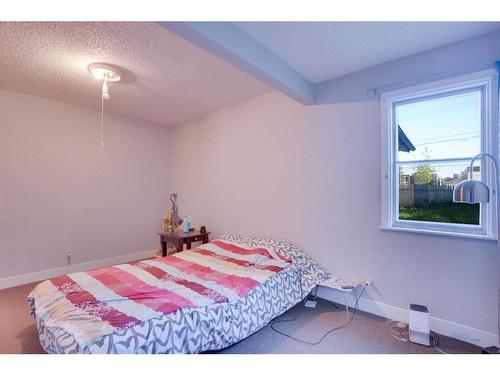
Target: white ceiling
[167, 81]
[324, 50]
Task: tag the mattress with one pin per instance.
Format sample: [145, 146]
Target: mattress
[238, 285]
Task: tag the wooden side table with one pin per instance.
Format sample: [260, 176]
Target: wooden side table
[178, 239]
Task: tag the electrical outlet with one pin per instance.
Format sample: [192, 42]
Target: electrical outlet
[69, 255]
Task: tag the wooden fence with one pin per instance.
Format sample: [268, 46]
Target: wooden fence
[414, 195]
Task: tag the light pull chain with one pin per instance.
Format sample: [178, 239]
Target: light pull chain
[102, 121]
[104, 94]
[107, 74]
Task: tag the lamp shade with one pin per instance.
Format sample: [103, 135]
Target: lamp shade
[471, 191]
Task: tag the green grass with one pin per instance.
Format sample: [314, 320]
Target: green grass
[443, 213]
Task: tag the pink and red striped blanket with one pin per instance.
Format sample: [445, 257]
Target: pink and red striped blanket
[95, 303]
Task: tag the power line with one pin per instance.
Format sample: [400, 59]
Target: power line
[475, 132]
[447, 140]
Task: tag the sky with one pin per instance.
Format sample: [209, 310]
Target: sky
[446, 127]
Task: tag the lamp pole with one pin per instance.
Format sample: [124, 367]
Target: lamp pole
[474, 191]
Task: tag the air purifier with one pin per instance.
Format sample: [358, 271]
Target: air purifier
[419, 331]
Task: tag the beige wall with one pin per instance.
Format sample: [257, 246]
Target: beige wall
[311, 174]
[272, 167]
[267, 166]
[56, 195]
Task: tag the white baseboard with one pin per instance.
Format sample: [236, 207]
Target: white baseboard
[441, 326]
[53, 272]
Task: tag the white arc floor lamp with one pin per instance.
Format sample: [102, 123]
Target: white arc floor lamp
[475, 191]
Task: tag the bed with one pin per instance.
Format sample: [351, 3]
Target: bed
[194, 301]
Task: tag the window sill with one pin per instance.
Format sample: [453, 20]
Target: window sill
[439, 233]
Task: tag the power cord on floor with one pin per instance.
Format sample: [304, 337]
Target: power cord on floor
[400, 332]
[326, 334]
[435, 343]
[397, 330]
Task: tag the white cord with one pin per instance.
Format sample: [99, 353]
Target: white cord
[102, 120]
[398, 335]
[403, 335]
[101, 143]
[439, 350]
[435, 342]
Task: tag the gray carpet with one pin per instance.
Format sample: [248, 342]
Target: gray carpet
[366, 334]
[18, 333]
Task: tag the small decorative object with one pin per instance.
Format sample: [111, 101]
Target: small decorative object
[176, 221]
[185, 224]
[203, 229]
[167, 222]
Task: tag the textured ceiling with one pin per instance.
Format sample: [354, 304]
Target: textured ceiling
[167, 80]
[324, 50]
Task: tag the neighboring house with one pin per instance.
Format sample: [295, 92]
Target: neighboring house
[404, 143]
[405, 179]
[464, 175]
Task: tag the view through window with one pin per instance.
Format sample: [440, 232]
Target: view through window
[436, 139]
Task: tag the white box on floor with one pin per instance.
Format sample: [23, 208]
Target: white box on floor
[419, 331]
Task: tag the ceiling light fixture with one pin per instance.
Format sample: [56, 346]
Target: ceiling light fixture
[106, 73]
[101, 71]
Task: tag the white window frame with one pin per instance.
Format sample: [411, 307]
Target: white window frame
[487, 80]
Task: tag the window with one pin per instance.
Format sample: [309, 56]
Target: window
[430, 133]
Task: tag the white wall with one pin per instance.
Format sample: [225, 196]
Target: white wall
[267, 166]
[56, 195]
[272, 167]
